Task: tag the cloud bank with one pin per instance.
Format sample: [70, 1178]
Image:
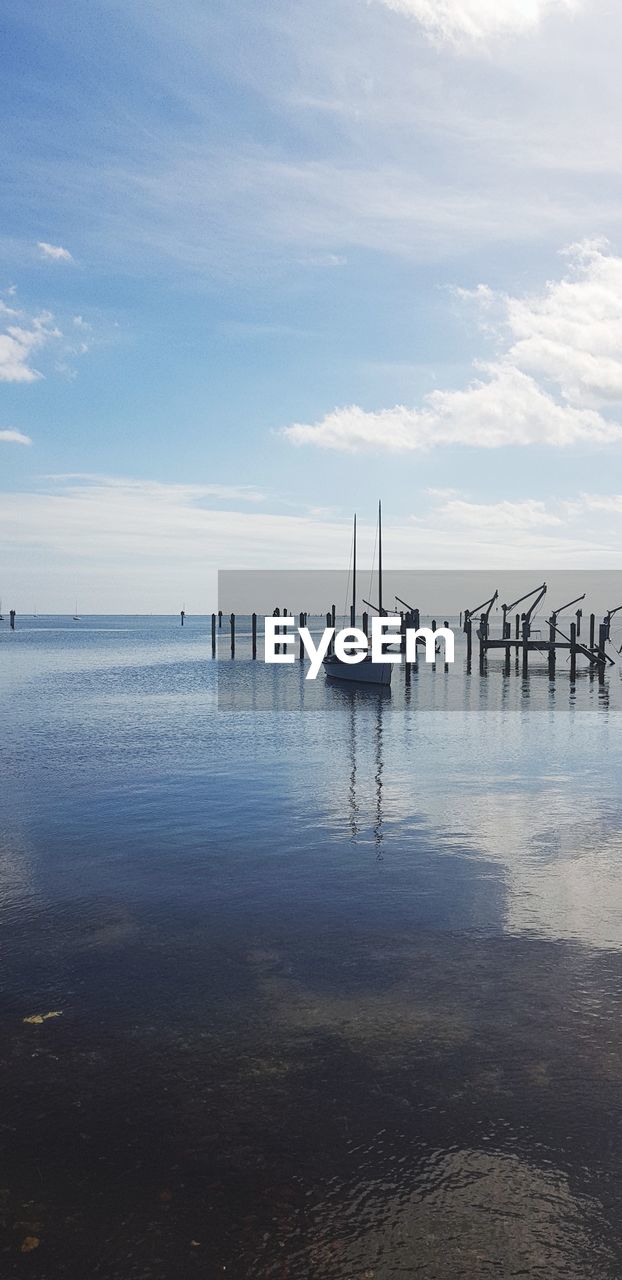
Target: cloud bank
[130, 545]
[553, 384]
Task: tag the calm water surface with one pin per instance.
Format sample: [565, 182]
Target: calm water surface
[339, 975]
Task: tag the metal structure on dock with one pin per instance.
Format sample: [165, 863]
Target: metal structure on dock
[518, 637]
[527, 640]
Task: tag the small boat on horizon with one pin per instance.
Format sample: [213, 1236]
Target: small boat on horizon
[76, 617]
[365, 672]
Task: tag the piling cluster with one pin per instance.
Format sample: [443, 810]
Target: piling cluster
[519, 637]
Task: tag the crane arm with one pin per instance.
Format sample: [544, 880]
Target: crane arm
[508, 607]
[556, 612]
[485, 607]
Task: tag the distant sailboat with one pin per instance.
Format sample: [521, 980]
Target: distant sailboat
[1, 613]
[365, 672]
[76, 617]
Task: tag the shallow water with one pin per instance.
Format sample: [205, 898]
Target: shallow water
[339, 974]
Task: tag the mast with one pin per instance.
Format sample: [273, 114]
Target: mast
[353, 605]
[380, 609]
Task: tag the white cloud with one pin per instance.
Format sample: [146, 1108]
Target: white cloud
[509, 409]
[19, 341]
[22, 335]
[526, 514]
[611, 503]
[571, 333]
[14, 437]
[170, 494]
[460, 22]
[562, 364]
[54, 251]
[324, 260]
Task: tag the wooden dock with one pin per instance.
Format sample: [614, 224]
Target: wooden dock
[518, 639]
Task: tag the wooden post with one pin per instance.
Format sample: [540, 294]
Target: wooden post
[551, 649]
[579, 616]
[220, 617]
[333, 615]
[468, 626]
[602, 640]
[517, 626]
[592, 629]
[483, 636]
[301, 648]
[573, 652]
[213, 635]
[525, 648]
[254, 633]
[507, 630]
[232, 623]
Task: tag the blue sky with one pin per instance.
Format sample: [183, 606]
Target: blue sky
[235, 238]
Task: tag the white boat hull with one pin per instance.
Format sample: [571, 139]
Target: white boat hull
[366, 672]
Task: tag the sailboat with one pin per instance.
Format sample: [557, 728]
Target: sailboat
[365, 672]
[1, 613]
[76, 618]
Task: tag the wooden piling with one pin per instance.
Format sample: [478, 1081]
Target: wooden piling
[483, 636]
[573, 652]
[213, 635]
[602, 641]
[232, 624]
[551, 649]
[468, 626]
[592, 629]
[525, 648]
[301, 648]
[254, 634]
[507, 633]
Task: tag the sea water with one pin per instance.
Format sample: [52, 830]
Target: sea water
[338, 971]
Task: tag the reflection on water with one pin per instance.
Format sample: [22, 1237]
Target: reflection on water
[339, 969]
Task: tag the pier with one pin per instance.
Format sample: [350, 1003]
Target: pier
[517, 637]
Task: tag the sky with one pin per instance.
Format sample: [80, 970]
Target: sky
[261, 265]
